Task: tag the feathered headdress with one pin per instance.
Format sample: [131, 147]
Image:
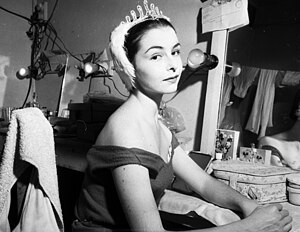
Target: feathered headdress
[122, 65]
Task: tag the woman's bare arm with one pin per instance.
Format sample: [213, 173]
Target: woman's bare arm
[135, 194]
[258, 218]
[208, 187]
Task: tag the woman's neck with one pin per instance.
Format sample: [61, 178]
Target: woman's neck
[148, 106]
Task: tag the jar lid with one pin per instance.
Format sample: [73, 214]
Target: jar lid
[294, 178]
[293, 190]
[292, 185]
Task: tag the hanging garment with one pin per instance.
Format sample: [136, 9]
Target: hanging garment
[243, 81]
[227, 87]
[30, 142]
[262, 110]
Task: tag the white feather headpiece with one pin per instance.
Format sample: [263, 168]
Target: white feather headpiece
[122, 65]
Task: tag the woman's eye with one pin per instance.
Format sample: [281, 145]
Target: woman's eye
[155, 57]
[176, 52]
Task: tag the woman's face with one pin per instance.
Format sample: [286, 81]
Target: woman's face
[158, 64]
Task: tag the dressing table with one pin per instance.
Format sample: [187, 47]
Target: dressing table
[71, 155]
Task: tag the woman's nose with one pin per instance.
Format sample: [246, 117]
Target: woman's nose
[171, 64]
[172, 69]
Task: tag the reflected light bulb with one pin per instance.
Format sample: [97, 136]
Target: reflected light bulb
[233, 70]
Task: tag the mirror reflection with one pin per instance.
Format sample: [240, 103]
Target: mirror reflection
[262, 103]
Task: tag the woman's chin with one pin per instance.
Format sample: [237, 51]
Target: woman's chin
[170, 90]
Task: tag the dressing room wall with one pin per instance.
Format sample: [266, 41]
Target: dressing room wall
[84, 26]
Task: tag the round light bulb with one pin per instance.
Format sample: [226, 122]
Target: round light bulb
[23, 72]
[195, 58]
[234, 69]
[88, 68]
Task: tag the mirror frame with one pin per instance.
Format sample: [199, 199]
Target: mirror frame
[214, 92]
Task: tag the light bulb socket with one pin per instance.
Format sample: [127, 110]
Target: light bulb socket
[211, 61]
[197, 59]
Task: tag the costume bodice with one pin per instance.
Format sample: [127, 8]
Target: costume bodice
[98, 202]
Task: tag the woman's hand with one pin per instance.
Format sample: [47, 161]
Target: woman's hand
[269, 218]
[248, 207]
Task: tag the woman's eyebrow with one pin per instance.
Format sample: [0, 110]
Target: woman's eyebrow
[153, 47]
[177, 45]
[160, 47]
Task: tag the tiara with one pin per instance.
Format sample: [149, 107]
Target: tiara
[152, 12]
[117, 39]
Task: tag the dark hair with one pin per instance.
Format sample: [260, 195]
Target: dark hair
[135, 34]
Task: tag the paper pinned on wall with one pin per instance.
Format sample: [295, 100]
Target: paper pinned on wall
[227, 15]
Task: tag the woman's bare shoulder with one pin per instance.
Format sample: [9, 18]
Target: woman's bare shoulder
[283, 136]
[121, 129]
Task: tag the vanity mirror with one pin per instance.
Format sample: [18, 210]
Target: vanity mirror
[259, 101]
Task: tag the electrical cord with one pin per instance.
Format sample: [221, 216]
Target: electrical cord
[54, 8]
[181, 84]
[60, 40]
[40, 29]
[117, 88]
[21, 16]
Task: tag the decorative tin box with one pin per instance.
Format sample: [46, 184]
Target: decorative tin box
[264, 183]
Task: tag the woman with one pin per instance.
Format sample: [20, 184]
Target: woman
[285, 146]
[136, 156]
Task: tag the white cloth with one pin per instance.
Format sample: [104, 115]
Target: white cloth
[30, 140]
[177, 203]
[262, 110]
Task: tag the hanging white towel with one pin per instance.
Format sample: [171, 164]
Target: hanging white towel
[30, 140]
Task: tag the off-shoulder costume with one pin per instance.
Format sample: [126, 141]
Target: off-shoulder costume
[98, 207]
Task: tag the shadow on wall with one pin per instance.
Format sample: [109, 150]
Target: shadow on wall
[4, 63]
[203, 78]
[12, 90]
[190, 77]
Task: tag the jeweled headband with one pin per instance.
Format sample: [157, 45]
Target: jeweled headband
[122, 65]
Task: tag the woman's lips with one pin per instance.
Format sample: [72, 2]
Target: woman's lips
[174, 78]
